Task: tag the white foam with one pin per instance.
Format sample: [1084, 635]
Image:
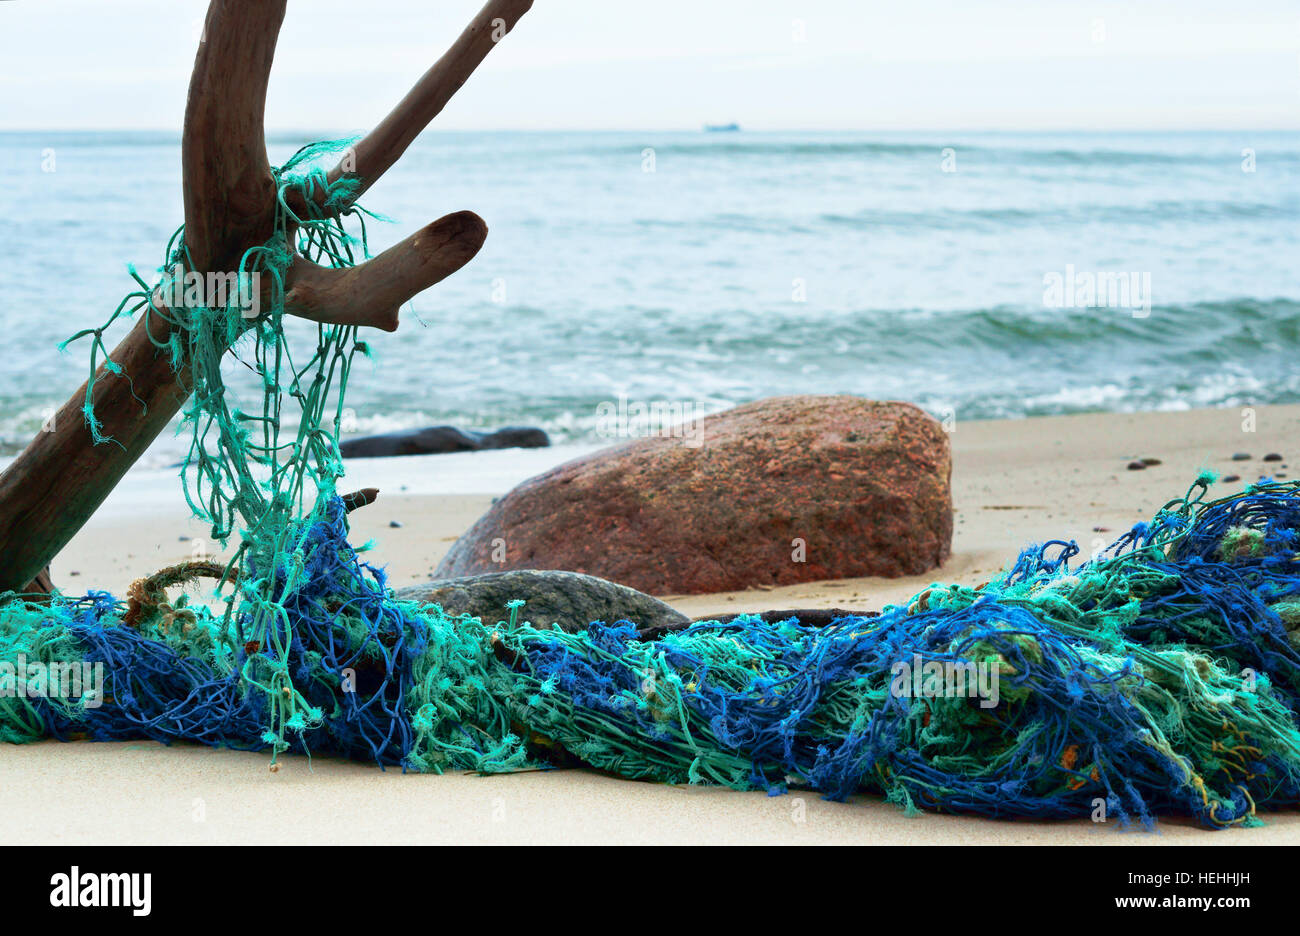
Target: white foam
[156, 490]
[492, 472]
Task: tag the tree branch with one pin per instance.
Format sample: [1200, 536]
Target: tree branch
[61, 478]
[373, 292]
[375, 153]
[229, 192]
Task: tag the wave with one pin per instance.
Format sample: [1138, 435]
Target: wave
[986, 219]
[1156, 212]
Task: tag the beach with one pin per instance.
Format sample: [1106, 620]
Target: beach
[1015, 482]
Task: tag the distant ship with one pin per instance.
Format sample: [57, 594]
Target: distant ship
[721, 128]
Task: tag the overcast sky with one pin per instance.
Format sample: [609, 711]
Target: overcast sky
[659, 64]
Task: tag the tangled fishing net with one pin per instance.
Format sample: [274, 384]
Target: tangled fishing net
[1159, 677]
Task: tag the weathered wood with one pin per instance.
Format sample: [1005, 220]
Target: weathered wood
[358, 499]
[61, 478]
[43, 584]
[373, 292]
[229, 192]
[376, 152]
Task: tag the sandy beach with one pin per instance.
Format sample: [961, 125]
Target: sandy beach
[1014, 482]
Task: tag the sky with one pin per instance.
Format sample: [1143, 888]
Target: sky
[668, 64]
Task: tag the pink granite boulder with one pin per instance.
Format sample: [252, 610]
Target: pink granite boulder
[775, 492]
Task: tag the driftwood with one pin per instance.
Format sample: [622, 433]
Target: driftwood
[59, 480]
[358, 499]
[41, 585]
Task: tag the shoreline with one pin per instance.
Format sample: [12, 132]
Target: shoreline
[1014, 482]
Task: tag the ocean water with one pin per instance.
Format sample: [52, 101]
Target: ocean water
[708, 269]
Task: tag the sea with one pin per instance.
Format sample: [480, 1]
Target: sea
[977, 275]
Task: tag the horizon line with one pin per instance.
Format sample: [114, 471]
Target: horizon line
[693, 128]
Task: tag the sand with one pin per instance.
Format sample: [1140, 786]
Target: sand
[1014, 482]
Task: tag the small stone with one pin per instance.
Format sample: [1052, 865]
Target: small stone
[1137, 466]
[1241, 456]
[1228, 479]
[395, 524]
[1096, 529]
[74, 573]
[1272, 456]
[1149, 462]
[183, 539]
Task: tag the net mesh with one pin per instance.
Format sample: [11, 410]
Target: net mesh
[1161, 676]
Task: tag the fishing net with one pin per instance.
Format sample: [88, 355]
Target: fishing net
[1159, 677]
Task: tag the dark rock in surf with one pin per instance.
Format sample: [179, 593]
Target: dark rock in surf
[439, 440]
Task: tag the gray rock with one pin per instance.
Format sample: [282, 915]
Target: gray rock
[438, 440]
[569, 599]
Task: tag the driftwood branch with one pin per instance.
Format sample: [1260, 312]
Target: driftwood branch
[358, 499]
[43, 584]
[229, 192]
[378, 150]
[61, 478]
[373, 292]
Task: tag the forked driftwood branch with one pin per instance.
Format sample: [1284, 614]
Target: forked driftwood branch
[59, 480]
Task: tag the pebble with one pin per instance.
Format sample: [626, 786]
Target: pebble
[1137, 466]
[1151, 461]
[395, 524]
[1241, 456]
[1272, 456]
[1228, 479]
[183, 539]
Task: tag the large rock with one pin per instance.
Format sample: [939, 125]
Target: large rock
[573, 601]
[437, 440]
[864, 486]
